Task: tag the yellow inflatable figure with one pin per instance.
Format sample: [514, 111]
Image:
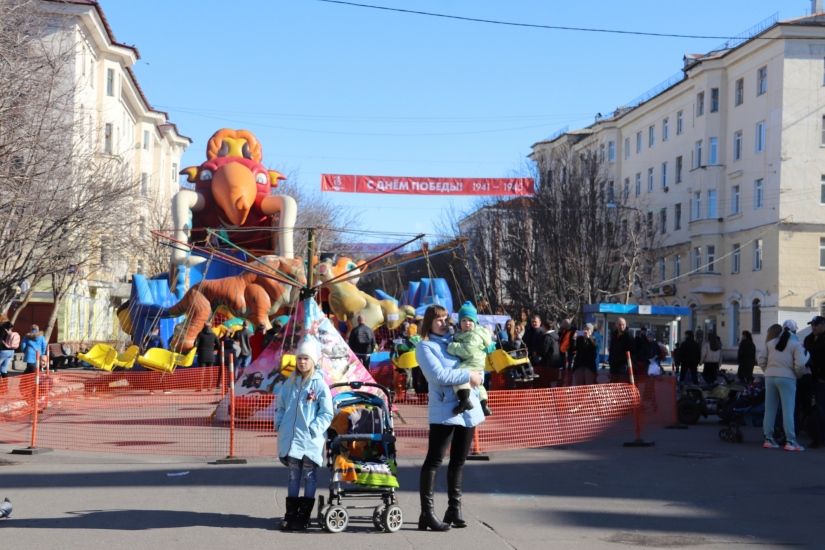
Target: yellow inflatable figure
[347, 302]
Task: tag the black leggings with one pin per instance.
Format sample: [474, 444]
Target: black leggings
[709, 372]
[440, 437]
[694, 373]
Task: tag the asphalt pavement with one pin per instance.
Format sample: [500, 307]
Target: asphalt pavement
[691, 490]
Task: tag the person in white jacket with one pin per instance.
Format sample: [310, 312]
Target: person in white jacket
[783, 361]
[711, 358]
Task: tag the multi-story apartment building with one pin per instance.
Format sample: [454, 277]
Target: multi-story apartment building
[729, 156]
[114, 115]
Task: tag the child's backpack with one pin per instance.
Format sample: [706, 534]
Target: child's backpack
[12, 340]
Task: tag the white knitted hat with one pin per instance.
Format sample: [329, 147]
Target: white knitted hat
[309, 348]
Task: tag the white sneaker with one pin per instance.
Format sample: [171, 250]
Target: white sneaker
[770, 443]
[792, 445]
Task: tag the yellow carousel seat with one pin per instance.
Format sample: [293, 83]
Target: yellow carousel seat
[287, 364]
[405, 361]
[501, 360]
[165, 361]
[100, 356]
[127, 358]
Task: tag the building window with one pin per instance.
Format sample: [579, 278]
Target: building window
[601, 152]
[697, 205]
[760, 136]
[649, 180]
[714, 100]
[638, 184]
[700, 104]
[677, 265]
[144, 184]
[714, 151]
[650, 224]
[680, 122]
[734, 200]
[626, 188]
[757, 254]
[821, 253]
[623, 236]
[711, 259]
[146, 140]
[758, 194]
[823, 131]
[651, 136]
[677, 216]
[756, 317]
[664, 175]
[822, 190]
[697, 259]
[110, 82]
[737, 145]
[662, 270]
[107, 139]
[174, 171]
[638, 142]
[712, 204]
[739, 94]
[627, 148]
[736, 259]
[610, 192]
[663, 221]
[665, 129]
[611, 151]
[761, 81]
[678, 169]
[698, 154]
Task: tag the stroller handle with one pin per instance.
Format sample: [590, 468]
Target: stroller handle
[358, 385]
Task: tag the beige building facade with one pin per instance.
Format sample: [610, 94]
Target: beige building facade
[729, 156]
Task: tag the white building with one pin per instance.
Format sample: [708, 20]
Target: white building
[730, 157]
[118, 120]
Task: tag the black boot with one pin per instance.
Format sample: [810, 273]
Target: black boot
[464, 403]
[291, 513]
[301, 522]
[427, 517]
[487, 411]
[453, 515]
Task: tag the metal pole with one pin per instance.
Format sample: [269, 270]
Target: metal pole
[223, 365]
[232, 407]
[36, 400]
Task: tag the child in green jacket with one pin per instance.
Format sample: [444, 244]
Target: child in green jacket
[470, 345]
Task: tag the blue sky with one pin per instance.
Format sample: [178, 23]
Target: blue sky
[337, 89]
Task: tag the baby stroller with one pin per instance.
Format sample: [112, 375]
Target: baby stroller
[361, 458]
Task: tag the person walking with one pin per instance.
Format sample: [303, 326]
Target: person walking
[783, 361]
[447, 430]
[711, 358]
[621, 343]
[690, 355]
[362, 341]
[549, 353]
[586, 352]
[9, 342]
[597, 335]
[746, 358]
[244, 354]
[303, 415]
[34, 343]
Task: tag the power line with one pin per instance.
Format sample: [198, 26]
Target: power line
[533, 25]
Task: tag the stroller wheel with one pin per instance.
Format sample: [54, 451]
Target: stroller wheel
[740, 437]
[377, 516]
[724, 434]
[392, 518]
[336, 519]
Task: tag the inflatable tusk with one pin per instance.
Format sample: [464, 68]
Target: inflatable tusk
[288, 208]
[183, 202]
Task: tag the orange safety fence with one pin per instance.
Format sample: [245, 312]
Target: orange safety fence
[151, 413]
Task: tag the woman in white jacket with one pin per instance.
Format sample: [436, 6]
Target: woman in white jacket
[711, 358]
[783, 361]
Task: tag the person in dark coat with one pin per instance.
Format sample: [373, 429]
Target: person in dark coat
[621, 342]
[362, 341]
[206, 343]
[641, 343]
[746, 358]
[533, 338]
[584, 362]
[242, 338]
[690, 355]
[548, 354]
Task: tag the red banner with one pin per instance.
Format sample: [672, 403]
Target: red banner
[389, 185]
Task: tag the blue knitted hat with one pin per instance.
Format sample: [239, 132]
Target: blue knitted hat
[468, 311]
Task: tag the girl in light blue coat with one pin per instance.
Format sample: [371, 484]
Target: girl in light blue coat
[447, 429]
[304, 413]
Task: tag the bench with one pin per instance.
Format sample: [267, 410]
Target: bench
[62, 356]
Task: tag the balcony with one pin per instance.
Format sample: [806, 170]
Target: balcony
[703, 282]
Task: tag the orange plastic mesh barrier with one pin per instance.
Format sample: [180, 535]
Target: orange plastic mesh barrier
[150, 413]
